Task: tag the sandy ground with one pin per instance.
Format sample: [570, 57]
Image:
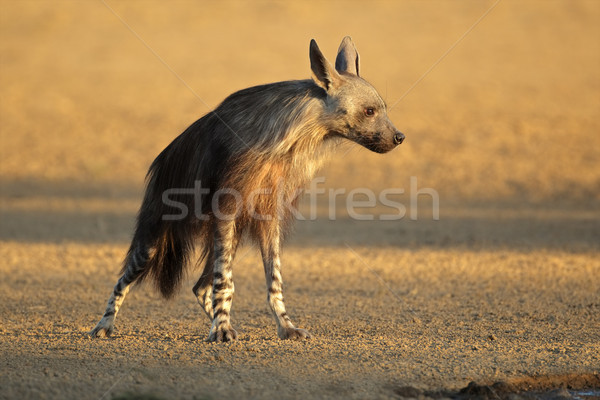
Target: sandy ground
[505, 286]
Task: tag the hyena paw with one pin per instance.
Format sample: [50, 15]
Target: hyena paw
[104, 328]
[293, 333]
[222, 334]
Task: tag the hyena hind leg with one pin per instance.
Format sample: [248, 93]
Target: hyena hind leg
[135, 265]
[225, 245]
[203, 288]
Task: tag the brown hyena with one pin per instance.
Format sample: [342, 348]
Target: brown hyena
[265, 137]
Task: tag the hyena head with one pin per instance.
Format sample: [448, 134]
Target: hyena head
[353, 108]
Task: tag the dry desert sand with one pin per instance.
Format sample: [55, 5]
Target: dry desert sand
[504, 287]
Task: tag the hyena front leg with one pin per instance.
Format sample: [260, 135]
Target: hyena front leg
[272, 263]
[203, 288]
[226, 239]
[136, 260]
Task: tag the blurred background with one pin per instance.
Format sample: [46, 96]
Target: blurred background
[506, 125]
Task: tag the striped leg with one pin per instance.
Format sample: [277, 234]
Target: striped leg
[225, 244]
[136, 261]
[203, 288]
[272, 264]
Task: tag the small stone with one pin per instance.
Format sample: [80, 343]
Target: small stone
[408, 391]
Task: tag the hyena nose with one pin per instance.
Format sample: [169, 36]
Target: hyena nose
[398, 138]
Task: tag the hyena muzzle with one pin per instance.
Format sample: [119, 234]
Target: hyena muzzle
[267, 140]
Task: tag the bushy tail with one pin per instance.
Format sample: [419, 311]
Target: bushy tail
[167, 259]
[170, 243]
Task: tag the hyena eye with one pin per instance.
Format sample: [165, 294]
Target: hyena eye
[369, 112]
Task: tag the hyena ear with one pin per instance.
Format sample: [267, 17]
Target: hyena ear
[347, 57]
[324, 74]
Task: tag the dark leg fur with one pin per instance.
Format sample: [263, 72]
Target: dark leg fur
[226, 239]
[134, 266]
[270, 248]
[203, 288]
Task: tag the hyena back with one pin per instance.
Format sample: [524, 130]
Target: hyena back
[266, 137]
